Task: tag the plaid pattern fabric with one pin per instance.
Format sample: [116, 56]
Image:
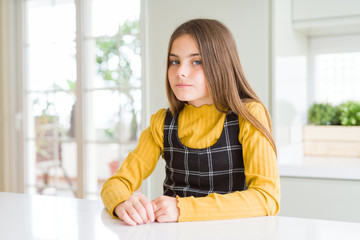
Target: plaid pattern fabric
[199, 172]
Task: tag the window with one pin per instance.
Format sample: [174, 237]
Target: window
[312, 65]
[82, 93]
[336, 70]
[337, 77]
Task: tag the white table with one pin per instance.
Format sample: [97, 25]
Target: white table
[41, 217]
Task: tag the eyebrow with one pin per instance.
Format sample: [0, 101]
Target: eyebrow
[190, 55]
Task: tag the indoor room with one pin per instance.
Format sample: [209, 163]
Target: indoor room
[82, 82]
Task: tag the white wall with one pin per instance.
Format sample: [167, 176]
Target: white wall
[290, 82]
[247, 19]
[333, 199]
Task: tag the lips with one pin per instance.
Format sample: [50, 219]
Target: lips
[183, 85]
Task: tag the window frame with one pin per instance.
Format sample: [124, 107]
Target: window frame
[323, 45]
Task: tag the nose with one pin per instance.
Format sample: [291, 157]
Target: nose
[183, 71]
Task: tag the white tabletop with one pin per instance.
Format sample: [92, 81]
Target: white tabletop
[41, 217]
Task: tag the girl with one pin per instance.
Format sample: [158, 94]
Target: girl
[215, 138]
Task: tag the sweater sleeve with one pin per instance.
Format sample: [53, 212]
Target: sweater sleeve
[262, 196]
[137, 166]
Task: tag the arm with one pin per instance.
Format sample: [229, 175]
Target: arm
[262, 178]
[138, 165]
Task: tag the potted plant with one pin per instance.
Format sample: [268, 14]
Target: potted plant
[333, 131]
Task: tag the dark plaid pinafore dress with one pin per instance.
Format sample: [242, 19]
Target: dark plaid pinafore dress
[199, 172]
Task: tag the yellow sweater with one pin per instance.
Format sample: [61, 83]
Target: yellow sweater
[200, 128]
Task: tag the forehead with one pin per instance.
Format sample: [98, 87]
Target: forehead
[184, 44]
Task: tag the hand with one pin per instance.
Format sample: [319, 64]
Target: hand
[136, 210]
[166, 209]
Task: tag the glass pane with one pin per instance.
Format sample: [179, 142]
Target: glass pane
[118, 61]
[54, 108]
[51, 44]
[51, 66]
[51, 154]
[51, 166]
[337, 77]
[113, 115]
[291, 103]
[46, 22]
[103, 161]
[108, 15]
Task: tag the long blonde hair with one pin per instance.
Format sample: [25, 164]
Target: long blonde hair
[226, 81]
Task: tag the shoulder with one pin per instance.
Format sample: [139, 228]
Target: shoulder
[255, 108]
[158, 117]
[258, 111]
[157, 125]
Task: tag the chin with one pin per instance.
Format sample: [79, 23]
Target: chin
[182, 98]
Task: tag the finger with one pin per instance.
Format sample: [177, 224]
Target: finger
[163, 219]
[148, 207]
[166, 209]
[122, 215]
[156, 201]
[134, 215]
[150, 212]
[164, 215]
[160, 212]
[140, 208]
[158, 204]
[161, 209]
[125, 217]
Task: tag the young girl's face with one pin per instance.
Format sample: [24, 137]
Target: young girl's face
[186, 74]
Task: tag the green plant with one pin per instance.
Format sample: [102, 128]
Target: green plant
[349, 113]
[323, 114]
[120, 50]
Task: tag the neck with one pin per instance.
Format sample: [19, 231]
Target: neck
[199, 104]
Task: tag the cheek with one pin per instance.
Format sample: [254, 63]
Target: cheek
[171, 73]
[171, 78]
[198, 72]
[200, 76]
